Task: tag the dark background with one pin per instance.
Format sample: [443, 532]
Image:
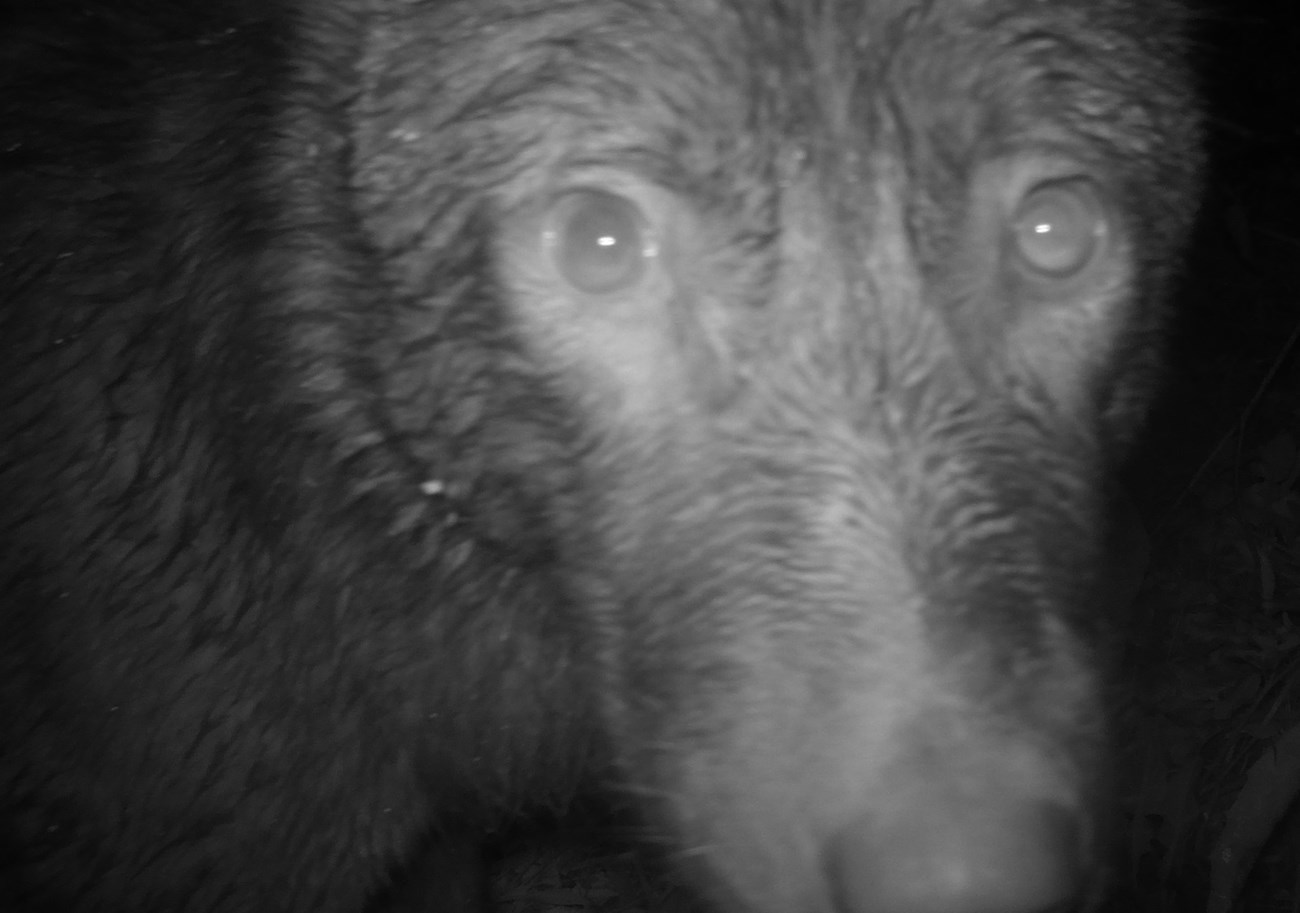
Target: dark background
[1212, 658]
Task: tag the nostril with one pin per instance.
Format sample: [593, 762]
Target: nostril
[1008, 856]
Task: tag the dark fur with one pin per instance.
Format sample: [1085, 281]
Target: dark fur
[318, 534]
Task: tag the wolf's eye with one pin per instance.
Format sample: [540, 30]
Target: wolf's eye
[598, 241]
[1060, 227]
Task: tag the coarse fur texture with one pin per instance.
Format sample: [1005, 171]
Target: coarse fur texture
[354, 504]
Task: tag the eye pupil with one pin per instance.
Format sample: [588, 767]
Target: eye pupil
[598, 241]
